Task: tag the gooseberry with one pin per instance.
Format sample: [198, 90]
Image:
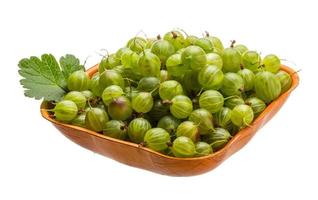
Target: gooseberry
[137, 129]
[181, 106]
[78, 81]
[120, 108]
[211, 100]
[188, 129]
[242, 115]
[65, 111]
[95, 119]
[115, 129]
[183, 147]
[157, 139]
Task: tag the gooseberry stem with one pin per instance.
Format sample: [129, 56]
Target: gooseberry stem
[296, 72]
[153, 90]
[217, 142]
[89, 104]
[104, 56]
[232, 43]
[169, 144]
[86, 61]
[229, 97]
[143, 49]
[199, 93]
[207, 34]
[174, 35]
[262, 67]
[142, 144]
[167, 102]
[246, 124]
[50, 110]
[123, 127]
[183, 31]
[130, 80]
[141, 31]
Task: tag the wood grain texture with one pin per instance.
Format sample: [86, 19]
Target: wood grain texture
[141, 157]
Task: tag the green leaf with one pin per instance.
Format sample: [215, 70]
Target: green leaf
[45, 78]
[69, 64]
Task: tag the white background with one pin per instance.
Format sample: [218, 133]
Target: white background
[37, 162]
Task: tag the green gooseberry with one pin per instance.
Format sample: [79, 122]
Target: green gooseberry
[120, 108]
[242, 115]
[115, 129]
[233, 101]
[214, 59]
[190, 82]
[175, 38]
[108, 62]
[164, 75]
[194, 57]
[94, 85]
[130, 92]
[78, 81]
[218, 139]
[79, 120]
[157, 139]
[285, 80]
[170, 89]
[95, 119]
[129, 59]
[175, 67]
[241, 48]
[163, 49]
[151, 41]
[137, 129]
[88, 94]
[149, 84]
[267, 86]
[223, 117]
[65, 111]
[231, 60]
[110, 77]
[203, 119]
[190, 40]
[202, 149]
[217, 44]
[271, 63]
[77, 97]
[137, 44]
[188, 129]
[233, 84]
[181, 106]
[121, 51]
[110, 93]
[169, 123]
[211, 100]
[183, 147]
[149, 64]
[251, 60]
[248, 78]
[159, 110]
[256, 104]
[205, 44]
[142, 102]
[210, 77]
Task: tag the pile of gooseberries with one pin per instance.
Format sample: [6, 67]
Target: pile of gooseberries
[179, 94]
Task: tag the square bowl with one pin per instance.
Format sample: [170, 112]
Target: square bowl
[137, 156]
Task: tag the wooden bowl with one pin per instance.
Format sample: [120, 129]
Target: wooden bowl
[141, 157]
